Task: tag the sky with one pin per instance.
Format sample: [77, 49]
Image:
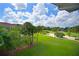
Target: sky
[39, 14]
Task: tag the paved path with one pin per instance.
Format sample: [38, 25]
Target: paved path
[51, 34]
[66, 36]
[69, 37]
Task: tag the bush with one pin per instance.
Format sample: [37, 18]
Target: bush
[45, 31]
[8, 38]
[77, 38]
[1, 41]
[59, 34]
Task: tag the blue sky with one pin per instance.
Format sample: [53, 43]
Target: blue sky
[28, 8]
[39, 14]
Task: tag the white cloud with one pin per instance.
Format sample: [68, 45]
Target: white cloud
[7, 10]
[1, 20]
[41, 20]
[73, 19]
[61, 17]
[39, 9]
[62, 13]
[27, 14]
[12, 17]
[20, 6]
[39, 17]
[66, 19]
[50, 22]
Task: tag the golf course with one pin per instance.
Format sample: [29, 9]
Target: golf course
[39, 29]
[49, 46]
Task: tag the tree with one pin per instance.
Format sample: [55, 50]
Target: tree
[6, 40]
[28, 29]
[56, 29]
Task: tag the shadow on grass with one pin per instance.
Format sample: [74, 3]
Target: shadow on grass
[49, 50]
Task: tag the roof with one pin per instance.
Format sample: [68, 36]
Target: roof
[68, 6]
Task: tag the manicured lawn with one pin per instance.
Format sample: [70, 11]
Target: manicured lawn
[72, 34]
[48, 46]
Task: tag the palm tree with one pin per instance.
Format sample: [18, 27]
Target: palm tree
[28, 29]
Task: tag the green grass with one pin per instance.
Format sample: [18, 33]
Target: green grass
[48, 46]
[72, 34]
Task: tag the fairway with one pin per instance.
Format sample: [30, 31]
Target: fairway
[49, 46]
[39, 29]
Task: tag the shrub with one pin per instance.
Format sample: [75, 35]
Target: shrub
[77, 38]
[45, 31]
[1, 41]
[59, 34]
[8, 38]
